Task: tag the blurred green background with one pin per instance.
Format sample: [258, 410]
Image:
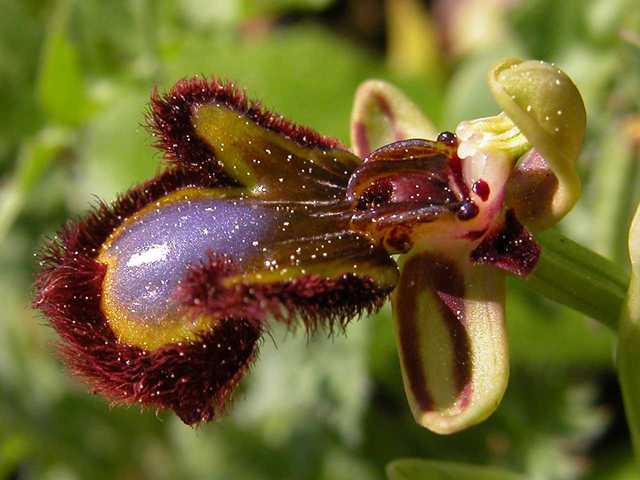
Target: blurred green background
[74, 81]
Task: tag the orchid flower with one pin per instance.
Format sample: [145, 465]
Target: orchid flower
[505, 176]
[162, 298]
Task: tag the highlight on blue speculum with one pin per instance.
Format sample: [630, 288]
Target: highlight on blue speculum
[161, 298]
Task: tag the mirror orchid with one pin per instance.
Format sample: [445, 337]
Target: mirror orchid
[162, 297]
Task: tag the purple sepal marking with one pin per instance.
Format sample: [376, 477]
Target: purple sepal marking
[510, 247]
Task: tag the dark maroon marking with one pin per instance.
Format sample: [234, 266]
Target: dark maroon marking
[476, 234]
[414, 148]
[412, 283]
[449, 284]
[427, 176]
[448, 138]
[361, 140]
[424, 272]
[169, 120]
[377, 194]
[468, 211]
[482, 189]
[388, 112]
[455, 166]
[421, 188]
[509, 247]
[399, 238]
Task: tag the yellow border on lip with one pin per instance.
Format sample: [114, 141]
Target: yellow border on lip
[148, 334]
[176, 325]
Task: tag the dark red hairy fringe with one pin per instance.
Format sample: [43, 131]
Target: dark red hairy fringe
[169, 120]
[317, 301]
[195, 379]
[181, 377]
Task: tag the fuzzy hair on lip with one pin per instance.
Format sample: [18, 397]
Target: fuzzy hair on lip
[195, 378]
[169, 120]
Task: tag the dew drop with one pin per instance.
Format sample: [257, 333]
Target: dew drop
[468, 211]
[447, 138]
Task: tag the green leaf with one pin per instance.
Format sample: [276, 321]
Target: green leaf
[415, 469]
[60, 89]
[260, 7]
[33, 159]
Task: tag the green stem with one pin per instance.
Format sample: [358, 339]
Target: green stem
[629, 341]
[579, 278]
[629, 363]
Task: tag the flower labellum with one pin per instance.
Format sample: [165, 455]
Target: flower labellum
[162, 297]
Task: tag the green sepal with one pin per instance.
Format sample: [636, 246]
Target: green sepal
[267, 163]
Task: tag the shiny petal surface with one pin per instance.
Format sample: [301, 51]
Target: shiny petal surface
[452, 340]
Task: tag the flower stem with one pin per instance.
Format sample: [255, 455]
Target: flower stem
[579, 278]
[629, 341]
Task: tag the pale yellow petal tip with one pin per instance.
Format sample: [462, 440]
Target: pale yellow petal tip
[452, 339]
[468, 413]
